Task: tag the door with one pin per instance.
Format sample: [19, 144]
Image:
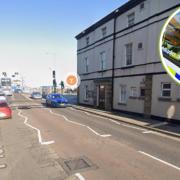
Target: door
[102, 96]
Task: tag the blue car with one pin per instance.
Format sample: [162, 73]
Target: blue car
[56, 100]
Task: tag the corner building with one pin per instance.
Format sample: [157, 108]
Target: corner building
[119, 63]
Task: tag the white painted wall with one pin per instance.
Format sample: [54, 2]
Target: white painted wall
[169, 109]
[132, 105]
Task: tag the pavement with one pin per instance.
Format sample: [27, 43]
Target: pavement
[165, 127]
[67, 143]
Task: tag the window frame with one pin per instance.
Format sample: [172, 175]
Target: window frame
[142, 88]
[123, 97]
[102, 61]
[87, 40]
[131, 19]
[104, 31]
[127, 55]
[142, 6]
[133, 94]
[86, 64]
[166, 89]
[86, 92]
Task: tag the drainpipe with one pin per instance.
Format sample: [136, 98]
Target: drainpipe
[113, 59]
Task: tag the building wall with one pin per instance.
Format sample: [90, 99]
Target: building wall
[161, 107]
[145, 60]
[133, 104]
[82, 99]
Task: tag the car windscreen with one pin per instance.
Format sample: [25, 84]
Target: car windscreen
[3, 104]
[56, 96]
[37, 93]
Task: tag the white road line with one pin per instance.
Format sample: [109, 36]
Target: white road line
[27, 97]
[118, 123]
[133, 127]
[79, 124]
[164, 162]
[38, 131]
[114, 121]
[147, 132]
[79, 176]
[159, 124]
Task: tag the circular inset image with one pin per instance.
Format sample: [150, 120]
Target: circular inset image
[72, 80]
[170, 46]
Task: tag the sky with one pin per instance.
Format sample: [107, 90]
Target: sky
[37, 36]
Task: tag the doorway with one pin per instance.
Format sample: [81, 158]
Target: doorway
[102, 97]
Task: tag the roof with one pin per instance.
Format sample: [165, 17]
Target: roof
[122, 9]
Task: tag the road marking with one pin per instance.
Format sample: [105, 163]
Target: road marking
[147, 132]
[79, 176]
[133, 127]
[118, 123]
[159, 124]
[79, 124]
[27, 97]
[2, 166]
[1, 151]
[2, 156]
[164, 162]
[38, 131]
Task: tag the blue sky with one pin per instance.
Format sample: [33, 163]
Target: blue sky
[32, 31]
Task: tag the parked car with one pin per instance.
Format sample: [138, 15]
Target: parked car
[5, 110]
[7, 92]
[17, 91]
[2, 96]
[56, 100]
[36, 95]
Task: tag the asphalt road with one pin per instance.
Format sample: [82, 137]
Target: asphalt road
[91, 147]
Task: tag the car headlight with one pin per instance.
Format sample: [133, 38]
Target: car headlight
[2, 115]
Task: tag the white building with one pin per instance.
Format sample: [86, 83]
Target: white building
[119, 63]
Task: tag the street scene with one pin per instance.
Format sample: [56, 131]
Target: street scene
[84, 94]
[171, 46]
[68, 143]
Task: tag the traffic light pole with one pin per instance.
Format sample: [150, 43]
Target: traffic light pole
[54, 81]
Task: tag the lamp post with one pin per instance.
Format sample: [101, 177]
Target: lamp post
[53, 71]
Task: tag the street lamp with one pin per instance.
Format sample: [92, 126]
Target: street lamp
[53, 71]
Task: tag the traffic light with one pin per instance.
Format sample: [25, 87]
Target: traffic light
[4, 74]
[54, 74]
[62, 85]
[54, 83]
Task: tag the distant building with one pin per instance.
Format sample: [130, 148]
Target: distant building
[119, 64]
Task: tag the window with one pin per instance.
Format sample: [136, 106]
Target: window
[103, 60]
[166, 90]
[133, 92]
[104, 31]
[141, 6]
[87, 41]
[129, 54]
[140, 45]
[131, 18]
[122, 94]
[86, 64]
[142, 91]
[86, 93]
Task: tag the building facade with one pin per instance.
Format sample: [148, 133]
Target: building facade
[119, 63]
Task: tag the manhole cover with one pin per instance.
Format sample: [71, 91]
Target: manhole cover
[79, 164]
[24, 107]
